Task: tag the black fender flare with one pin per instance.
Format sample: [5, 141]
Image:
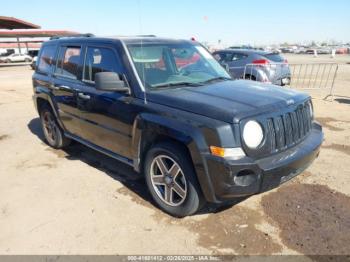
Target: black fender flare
[180, 131]
[45, 94]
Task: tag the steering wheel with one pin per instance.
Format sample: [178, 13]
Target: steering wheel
[184, 72]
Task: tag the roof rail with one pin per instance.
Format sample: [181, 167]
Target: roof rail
[123, 36]
[145, 36]
[77, 35]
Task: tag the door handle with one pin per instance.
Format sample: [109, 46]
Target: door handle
[83, 96]
[61, 87]
[65, 88]
[54, 87]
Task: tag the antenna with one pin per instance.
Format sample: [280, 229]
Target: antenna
[141, 41]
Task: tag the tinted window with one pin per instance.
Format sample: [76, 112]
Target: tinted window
[275, 57]
[68, 63]
[225, 57]
[98, 60]
[46, 59]
[236, 57]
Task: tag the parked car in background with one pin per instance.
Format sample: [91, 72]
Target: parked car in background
[7, 52]
[286, 50]
[15, 58]
[324, 51]
[301, 50]
[255, 65]
[33, 64]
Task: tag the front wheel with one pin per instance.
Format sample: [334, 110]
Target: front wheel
[171, 180]
[27, 60]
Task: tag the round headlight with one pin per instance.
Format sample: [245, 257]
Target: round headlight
[253, 134]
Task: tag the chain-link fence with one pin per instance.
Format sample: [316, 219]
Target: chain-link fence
[311, 76]
[314, 76]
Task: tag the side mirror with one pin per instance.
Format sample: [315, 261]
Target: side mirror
[110, 81]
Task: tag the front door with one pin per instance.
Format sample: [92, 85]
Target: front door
[107, 116]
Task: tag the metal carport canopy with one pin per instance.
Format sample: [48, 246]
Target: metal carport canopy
[34, 33]
[31, 33]
[15, 23]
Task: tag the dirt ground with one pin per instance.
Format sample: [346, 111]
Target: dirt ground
[81, 202]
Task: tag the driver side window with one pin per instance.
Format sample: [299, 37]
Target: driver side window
[100, 59]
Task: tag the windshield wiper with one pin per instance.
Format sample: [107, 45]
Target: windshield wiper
[175, 84]
[219, 78]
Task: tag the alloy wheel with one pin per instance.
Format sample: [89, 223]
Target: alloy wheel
[168, 180]
[50, 128]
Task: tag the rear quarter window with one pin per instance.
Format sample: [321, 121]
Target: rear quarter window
[275, 58]
[69, 62]
[46, 59]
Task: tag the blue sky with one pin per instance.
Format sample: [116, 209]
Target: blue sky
[234, 22]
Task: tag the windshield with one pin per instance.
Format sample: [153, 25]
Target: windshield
[175, 64]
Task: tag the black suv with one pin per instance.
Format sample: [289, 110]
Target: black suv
[169, 110]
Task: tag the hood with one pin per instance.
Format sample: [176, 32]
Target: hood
[228, 101]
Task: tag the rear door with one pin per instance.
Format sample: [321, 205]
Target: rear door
[66, 80]
[107, 116]
[237, 64]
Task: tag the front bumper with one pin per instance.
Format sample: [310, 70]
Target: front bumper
[237, 178]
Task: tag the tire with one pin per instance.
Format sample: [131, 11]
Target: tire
[250, 77]
[178, 203]
[53, 133]
[7, 61]
[27, 60]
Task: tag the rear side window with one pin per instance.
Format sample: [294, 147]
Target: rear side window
[225, 57]
[46, 58]
[236, 56]
[68, 62]
[275, 57]
[100, 59]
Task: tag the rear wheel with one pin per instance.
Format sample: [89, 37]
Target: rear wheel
[171, 180]
[27, 60]
[250, 77]
[54, 135]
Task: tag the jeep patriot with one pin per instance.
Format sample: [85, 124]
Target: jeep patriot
[169, 110]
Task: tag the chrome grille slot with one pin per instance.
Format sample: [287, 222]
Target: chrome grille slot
[279, 128]
[295, 126]
[271, 131]
[289, 128]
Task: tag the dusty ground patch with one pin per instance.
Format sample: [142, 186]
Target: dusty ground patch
[313, 219]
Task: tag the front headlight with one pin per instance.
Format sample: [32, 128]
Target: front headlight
[253, 134]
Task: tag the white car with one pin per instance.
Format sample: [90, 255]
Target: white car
[15, 58]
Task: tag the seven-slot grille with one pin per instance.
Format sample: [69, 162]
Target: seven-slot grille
[289, 128]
